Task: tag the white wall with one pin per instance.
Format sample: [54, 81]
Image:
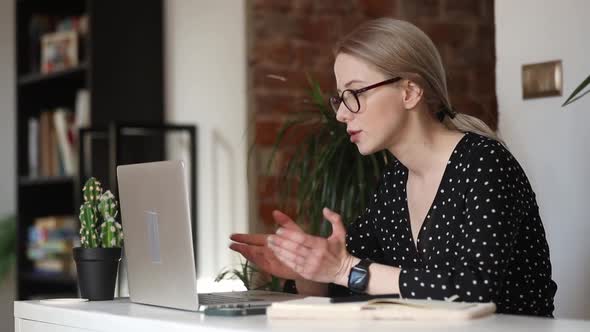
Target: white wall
[551, 142]
[7, 154]
[7, 119]
[205, 77]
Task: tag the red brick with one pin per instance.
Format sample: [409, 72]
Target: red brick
[266, 6]
[473, 56]
[276, 104]
[485, 32]
[267, 186]
[298, 134]
[379, 8]
[464, 104]
[453, 34]
[420, 9]
[352, 22]
[458, 81]
[275, 26]
[304, 53]
[484, 80]
[294, 80]
[265, 212]
[291, 38]
[267, 77]
[325, 29]
[491, 109]
[277, 53]
[302, 7]
[487, 11]
[266, 132]
[463, 9]
[332, 7]
[313, 56]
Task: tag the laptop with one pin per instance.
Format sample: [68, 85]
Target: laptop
[156, 218]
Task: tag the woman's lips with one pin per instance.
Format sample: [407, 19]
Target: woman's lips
[354, 135]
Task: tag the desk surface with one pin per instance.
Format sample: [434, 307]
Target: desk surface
[121, 315]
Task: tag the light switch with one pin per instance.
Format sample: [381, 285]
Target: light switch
[542, 79]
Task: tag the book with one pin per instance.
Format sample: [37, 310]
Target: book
[44, 144]
[382, 308]
[50, 243]
[33, 147]
[67, 152]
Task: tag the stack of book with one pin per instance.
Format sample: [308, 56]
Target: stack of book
[53, 142]
[50, 244]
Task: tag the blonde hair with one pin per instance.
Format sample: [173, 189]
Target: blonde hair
[399, 48]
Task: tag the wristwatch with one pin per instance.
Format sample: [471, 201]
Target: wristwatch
[358, 279]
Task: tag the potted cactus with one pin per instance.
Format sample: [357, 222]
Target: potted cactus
[101, 238]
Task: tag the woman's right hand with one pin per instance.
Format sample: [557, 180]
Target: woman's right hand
[254, 247]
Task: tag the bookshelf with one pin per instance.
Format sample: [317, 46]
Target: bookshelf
[120, 65]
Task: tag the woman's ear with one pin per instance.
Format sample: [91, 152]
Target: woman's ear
[412, 94]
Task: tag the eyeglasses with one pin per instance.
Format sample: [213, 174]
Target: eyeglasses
[350, 97]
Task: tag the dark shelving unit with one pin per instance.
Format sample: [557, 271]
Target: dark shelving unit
[78, 72]
[122, 69]
[29, 181]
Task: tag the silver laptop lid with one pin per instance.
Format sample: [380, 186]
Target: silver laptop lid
[155, 213]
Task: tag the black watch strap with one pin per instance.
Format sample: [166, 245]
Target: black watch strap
[358, 279]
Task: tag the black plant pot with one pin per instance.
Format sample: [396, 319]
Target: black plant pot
[97, 272]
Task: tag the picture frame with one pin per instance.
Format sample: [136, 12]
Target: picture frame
[59, 51]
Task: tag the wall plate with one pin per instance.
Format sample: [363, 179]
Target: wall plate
[542, 79]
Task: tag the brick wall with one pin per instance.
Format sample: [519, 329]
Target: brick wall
[289, 38]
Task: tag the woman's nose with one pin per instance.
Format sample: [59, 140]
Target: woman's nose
[343, 114]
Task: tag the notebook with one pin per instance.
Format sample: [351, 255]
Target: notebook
[383, 308]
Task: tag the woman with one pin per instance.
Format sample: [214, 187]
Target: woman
[454, 214]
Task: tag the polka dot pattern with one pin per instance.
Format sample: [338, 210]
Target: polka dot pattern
[482, 238]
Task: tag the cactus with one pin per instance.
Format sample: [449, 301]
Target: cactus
[107, 205]
[99, 227]
[92, 191]
[111, 234]
[88, 219]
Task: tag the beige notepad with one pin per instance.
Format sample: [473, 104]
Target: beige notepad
[404, 309]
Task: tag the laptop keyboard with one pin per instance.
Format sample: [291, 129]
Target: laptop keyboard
[215, 298]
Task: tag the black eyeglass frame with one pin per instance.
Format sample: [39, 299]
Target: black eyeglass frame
[337, 100]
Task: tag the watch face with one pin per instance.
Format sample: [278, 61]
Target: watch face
[358, 279]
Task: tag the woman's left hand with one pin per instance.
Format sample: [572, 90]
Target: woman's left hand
[315, 258]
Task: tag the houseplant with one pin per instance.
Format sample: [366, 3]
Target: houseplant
[326, 167]
[327, 170]
[7, 245]
[251, 277]
[101, 238]
[576, 93]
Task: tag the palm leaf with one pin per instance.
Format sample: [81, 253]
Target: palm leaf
[574, 96]
[328, 169]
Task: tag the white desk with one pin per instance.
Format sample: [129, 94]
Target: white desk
[121, 315]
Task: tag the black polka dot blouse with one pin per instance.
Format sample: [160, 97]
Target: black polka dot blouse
[482, 238]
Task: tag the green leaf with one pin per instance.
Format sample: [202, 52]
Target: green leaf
[326, 166]
[282, 132]
[580, 87]
[7, 245]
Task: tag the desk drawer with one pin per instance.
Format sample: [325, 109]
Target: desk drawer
[25, 325]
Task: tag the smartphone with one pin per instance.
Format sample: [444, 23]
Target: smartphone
[235, 311]
[362, 298]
